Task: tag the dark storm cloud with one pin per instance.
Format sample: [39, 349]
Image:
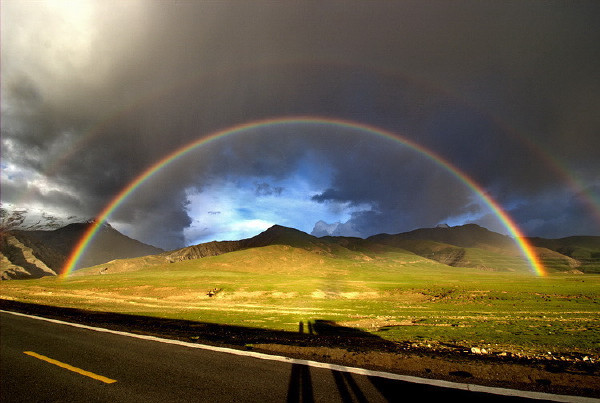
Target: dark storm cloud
[406, 190]
[264, 189]
[467, 80]
[552, 213]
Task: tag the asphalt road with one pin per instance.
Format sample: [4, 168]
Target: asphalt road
[151, 371]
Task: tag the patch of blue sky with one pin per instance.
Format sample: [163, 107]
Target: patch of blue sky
[10, 172]
[244, 212]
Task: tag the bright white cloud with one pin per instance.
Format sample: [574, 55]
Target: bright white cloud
[24, 187]
[231, 211]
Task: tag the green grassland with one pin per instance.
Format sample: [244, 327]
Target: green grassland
[391, 293]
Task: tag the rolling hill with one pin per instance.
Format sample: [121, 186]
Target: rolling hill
[469, 246]
[31, 254]
[462, 246]
[585, 250]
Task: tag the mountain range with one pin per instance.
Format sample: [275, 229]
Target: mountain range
[33, 254]
[38, 253]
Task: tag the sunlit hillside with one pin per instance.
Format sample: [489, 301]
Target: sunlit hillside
[392, 293]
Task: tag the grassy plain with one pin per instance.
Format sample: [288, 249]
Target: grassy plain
[397, 296]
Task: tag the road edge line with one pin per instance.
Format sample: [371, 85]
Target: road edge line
[335, 367]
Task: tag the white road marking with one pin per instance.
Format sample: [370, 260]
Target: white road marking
[335, 367]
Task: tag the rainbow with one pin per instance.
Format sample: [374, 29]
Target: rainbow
[578, 187]
[507, 221]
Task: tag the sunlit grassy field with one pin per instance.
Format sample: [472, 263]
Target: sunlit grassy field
[397, 296]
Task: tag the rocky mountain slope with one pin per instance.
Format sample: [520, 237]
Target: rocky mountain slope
[20, 261]
[34, 254]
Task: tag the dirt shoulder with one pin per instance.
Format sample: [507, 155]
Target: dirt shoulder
[340, 346]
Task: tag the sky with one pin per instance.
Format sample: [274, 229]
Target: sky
[508, 93]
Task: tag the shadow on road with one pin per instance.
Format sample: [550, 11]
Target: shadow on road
[300, 387]
[347, 387]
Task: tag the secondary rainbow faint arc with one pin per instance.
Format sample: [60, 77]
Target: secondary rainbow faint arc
[88, 236]
[554, 163]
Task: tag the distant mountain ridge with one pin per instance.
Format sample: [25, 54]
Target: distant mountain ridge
[275, 235]
[33, 254]
[468, 245]
[28, 254]
[467, 236]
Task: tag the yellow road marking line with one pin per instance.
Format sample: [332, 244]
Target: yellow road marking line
[70, 367]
